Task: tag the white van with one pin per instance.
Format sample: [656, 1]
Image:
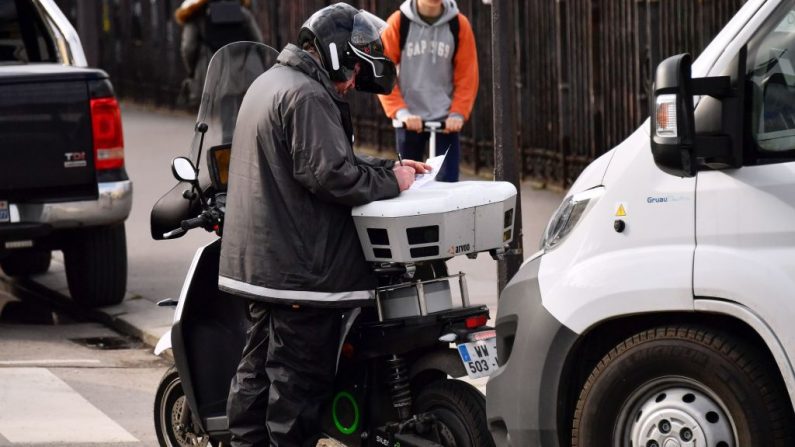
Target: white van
[661, 309]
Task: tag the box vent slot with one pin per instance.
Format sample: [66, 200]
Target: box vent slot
[378, 236]
[423, 235]
[508, 218]
[424, 252]
[383, 253]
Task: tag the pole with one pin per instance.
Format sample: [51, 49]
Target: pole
[507, 162]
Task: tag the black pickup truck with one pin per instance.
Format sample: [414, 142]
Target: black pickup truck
[63, 185]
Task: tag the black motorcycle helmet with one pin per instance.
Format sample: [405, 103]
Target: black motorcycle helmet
[344, 35]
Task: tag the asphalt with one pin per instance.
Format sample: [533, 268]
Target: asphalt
[157, 268]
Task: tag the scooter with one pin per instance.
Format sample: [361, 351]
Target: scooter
[399, 361]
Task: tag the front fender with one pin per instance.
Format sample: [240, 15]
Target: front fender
[164, 343]
[761, 327]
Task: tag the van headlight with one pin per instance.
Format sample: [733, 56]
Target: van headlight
[568, 215]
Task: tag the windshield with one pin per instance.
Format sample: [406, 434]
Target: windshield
[231, 71]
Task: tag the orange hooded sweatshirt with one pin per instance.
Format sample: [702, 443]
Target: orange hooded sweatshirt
[431, 82]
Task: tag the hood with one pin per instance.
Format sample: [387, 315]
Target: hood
[593, 174]
[409, 8]
[190, 8]
[292, 56]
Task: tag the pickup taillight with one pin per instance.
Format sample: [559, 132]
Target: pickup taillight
[108, 136]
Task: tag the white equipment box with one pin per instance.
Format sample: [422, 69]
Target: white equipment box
[439, 220]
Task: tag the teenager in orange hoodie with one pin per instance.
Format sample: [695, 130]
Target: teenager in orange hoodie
[437, 78]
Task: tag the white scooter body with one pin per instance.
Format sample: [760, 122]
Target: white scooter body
[164, 344]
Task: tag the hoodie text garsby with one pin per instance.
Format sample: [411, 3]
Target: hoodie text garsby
[431, 82]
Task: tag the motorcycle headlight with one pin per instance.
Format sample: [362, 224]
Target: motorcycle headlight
[568, 215]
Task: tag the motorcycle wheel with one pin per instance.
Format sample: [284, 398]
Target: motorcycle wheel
[170, 403]
[460, 410]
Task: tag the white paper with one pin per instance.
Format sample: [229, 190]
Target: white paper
[421, 180]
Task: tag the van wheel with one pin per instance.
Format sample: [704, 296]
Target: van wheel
[26, 262]
[460, 410]
[683, 386]
[96, 265]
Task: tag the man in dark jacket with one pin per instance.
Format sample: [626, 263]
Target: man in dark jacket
[290, 244]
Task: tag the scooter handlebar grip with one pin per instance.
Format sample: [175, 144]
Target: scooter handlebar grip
[195, 222]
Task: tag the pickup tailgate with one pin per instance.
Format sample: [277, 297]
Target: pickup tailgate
[46, 147]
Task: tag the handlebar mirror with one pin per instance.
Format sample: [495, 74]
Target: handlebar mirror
[183, 170]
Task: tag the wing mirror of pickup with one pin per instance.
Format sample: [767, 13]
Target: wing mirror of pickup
[678, 147]
[183, 170]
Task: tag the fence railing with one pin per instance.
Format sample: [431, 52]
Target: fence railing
[582, 75]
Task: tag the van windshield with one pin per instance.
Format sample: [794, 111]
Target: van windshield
[23, 35]
[771, 76]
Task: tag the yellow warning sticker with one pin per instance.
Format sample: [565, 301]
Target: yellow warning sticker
[621, 210]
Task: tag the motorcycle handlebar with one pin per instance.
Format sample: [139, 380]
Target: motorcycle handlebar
[195, 222]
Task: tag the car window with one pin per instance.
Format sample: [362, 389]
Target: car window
[23, 36]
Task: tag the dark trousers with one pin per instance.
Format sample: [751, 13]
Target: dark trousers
[413, 146]
[285, 376]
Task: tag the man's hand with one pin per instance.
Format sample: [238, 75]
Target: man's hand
[453, 124]
[413, 123]
[405, 176]
[419, 167]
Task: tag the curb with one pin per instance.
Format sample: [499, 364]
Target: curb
[119, 317]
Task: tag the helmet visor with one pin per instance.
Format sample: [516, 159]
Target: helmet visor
[376, 75]
[377, 72]
[367, 29]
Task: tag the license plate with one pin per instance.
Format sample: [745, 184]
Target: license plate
[479, 356]
[5, 214]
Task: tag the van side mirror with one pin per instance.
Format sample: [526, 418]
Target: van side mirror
[676, 146]
[672, 126]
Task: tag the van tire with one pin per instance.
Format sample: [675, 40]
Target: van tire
[26, 262]
[721, 369]
[96, 265]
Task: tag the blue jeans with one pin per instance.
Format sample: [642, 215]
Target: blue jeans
[412, 146]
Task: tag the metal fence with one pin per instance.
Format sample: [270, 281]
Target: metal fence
[582, 74]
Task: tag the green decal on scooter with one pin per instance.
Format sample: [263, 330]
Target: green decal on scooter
[349, 397]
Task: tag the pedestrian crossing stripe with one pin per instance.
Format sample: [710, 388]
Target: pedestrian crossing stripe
[37, 407]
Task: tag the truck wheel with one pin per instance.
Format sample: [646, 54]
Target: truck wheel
[170, 403]
[26, 262]
[461, 411]
[96, 265]
[683, 386]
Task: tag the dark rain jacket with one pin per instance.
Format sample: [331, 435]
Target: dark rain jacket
[288, 233]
